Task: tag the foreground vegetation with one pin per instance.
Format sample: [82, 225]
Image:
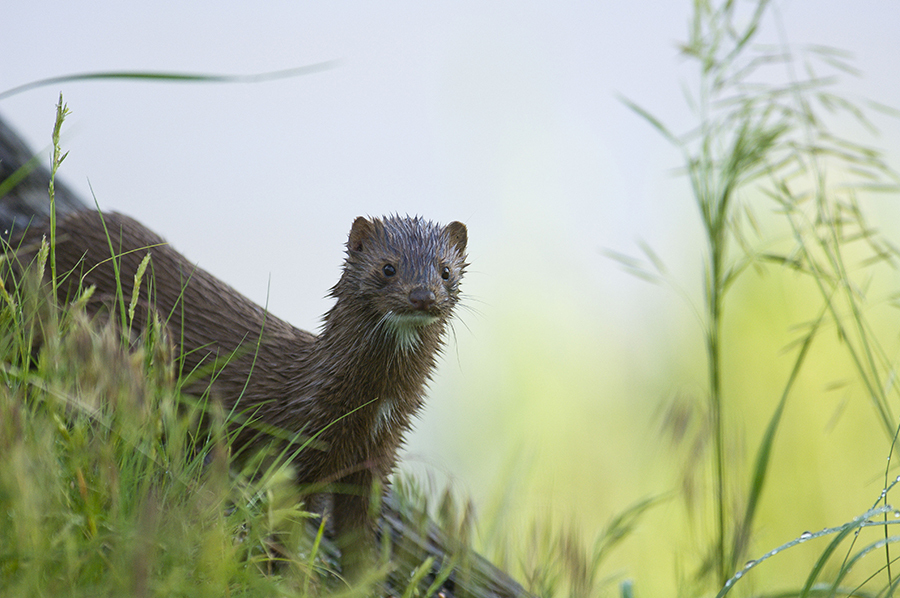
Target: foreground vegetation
[108, 485]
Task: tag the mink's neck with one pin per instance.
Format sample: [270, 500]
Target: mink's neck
[363, 361]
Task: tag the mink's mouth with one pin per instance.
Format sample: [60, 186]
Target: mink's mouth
[409, 319]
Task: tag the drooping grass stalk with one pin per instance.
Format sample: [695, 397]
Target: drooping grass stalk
[812, 586]
[173, 77]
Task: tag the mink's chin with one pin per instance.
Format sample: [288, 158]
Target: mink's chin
[414, 319]
[406, 327]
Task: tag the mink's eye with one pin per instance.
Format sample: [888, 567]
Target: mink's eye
[445, 273]
[389, 270]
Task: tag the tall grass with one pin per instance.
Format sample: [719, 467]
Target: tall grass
[764, 145]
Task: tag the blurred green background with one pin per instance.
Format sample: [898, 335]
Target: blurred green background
[567, 413]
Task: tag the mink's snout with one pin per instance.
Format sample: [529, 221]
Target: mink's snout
[421, 299]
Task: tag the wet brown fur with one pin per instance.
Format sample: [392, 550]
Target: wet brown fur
[356, 386]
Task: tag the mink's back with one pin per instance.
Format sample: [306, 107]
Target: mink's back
[208, 321]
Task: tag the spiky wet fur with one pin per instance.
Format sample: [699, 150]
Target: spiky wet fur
[354, 388]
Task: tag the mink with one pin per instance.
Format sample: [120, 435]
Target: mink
[353, 389]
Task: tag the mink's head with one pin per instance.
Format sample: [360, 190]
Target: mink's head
[403, 272]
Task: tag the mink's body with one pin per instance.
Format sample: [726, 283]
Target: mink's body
[355, 387]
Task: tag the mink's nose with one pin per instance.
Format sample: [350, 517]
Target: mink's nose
[421, 298]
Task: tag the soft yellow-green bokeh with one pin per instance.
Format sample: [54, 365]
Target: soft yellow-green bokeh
[565, 410]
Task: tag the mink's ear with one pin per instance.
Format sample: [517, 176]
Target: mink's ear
[456, 231]
[360, 233]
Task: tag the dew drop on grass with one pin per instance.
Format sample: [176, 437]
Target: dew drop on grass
[749, 564]
[805, 536]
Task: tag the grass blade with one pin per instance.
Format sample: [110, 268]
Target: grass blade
[173, 77]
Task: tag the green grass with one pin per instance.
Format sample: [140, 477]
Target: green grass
[106, 485]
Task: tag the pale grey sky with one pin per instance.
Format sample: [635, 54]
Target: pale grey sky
[433, 108]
